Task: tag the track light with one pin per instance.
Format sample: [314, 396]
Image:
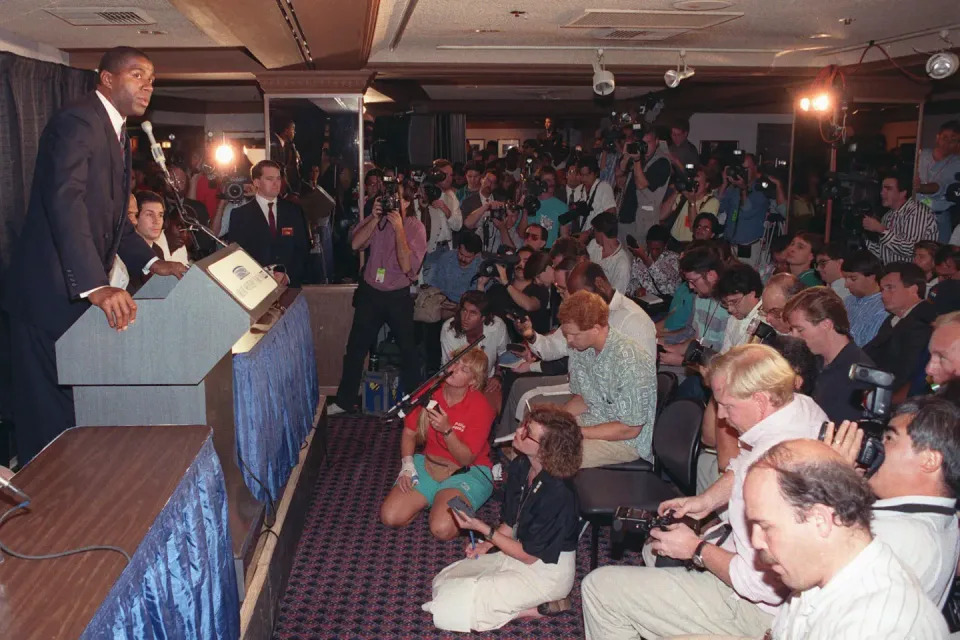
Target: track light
[603, 81]
[942, 64]
[673, 77]
[820, 102]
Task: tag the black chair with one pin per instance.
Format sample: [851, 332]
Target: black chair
[666, 388]
[676, 444]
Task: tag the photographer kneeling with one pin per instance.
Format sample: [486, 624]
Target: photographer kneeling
[917, 486]
[537, 536]
[455, 462]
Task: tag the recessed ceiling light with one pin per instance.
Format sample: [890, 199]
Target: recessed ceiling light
[517, 14]
[846, 21]
[701, 5]
[150, 32]
[486, 30]
[820, 36]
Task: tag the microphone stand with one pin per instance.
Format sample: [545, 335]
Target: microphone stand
[421, 395]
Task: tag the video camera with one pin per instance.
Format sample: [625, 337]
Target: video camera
[231, 184]
[877, 403]
[504, 256]
[686, 181]
[576, 215]
[429, 183]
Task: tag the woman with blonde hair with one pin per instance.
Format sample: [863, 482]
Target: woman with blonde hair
[453, 430]
[537, 535]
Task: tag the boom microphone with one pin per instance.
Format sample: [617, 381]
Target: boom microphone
[155, 149]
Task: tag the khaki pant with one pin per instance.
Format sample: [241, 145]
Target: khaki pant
[597, 453]
[629, 602]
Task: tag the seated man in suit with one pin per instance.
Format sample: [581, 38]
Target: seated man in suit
[902, 339]
[272, 231]
[149, 223]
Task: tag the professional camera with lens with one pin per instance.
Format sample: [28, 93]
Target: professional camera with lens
[576, 215]
[640, 521]
[759, 331]
[488, 266]
[698, 355]
[768, 188]
[877, 403]
[232, 189]
[390, 200]
[430, 184]
[686, 181]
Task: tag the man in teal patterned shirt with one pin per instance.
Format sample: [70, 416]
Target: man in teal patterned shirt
[614, 383]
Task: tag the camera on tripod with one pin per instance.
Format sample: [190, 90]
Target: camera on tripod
[877, 403]
[686, 181]
[231, 187]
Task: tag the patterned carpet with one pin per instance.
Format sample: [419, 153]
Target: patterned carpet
[354, 578]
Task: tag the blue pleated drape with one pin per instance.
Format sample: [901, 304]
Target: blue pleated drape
[181, 582]
[275, 395]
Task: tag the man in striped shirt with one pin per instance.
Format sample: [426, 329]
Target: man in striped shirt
[904, 224]
[811, 518]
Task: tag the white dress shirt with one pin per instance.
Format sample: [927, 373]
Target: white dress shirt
[441, 227]
[180, 255]
[873, 597]
[840, 286]
[626, 316]
[927, 543]
[494, 343]
[264, 207]
[603, 199]
[735, 333]
[616, 266]
[799, 419]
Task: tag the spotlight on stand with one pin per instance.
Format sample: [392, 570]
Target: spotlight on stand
[818, 103]
[942, 64]
[224, 154]
[603, 81]
[673, 77]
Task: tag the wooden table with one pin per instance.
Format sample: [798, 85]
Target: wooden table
[90, 486]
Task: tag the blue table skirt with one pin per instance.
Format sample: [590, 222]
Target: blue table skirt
[275, 396]
[181, 581]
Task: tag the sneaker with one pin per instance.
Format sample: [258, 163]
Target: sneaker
[333, 409]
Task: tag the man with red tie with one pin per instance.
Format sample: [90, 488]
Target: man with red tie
[271, 230]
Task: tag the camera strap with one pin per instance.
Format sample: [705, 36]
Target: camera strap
[919, 508]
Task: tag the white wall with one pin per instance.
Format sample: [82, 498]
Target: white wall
[31, 48]
[247, 123]
[733, 126]
[501, 134]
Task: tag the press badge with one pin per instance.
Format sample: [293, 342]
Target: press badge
[286, 231]
[381, 275]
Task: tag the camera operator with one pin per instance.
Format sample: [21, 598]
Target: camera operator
[935, 172]
[681, 149]
[744, 206]
[597, 194]
[648, 180]
[902, 339]
[488, 212]
[917, 486]
[550, 209]
[905, 223]
[754, 388]
[685, 208]
[398, 244]
[812, 529]
[528, 289]
[445, 216]
[818, 317]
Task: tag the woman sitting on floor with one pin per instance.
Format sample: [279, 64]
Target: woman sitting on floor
[533, 573]
[456, 452]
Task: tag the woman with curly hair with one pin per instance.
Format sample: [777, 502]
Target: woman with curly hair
[537, 537]
[454, 433]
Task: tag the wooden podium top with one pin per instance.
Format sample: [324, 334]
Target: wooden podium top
[90, 486]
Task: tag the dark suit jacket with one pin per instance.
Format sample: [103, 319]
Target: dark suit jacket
[291, 247]
[76, 221]
[898, 349]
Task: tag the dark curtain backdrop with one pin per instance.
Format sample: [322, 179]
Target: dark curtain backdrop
[451, 137]
[30, 92]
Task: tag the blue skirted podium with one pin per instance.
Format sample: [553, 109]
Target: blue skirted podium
[275, 397]
[155, 491]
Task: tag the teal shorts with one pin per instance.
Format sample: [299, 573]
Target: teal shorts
[476, 484]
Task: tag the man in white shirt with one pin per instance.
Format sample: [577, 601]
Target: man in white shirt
[494, 230]
[595, 192]
[149, 226]
[445, 216]
[916, 486]
[607, 251]
[754, 389]
[739, 289]
[811, 525]
[472, 319]
[936, 170]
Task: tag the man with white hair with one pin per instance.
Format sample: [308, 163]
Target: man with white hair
[754, 389]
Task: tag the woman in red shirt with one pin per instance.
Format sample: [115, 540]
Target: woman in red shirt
[456, 452]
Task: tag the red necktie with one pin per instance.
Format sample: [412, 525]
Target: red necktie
[272, 219]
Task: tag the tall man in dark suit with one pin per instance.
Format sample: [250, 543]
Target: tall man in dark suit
[75, 225]
[272, 230]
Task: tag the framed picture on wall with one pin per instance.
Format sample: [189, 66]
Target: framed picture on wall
[476, 144]
[505, 145]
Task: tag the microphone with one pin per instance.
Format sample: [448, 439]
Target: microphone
[6, 484]
[155, 148]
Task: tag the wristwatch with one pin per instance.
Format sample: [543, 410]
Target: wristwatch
[697, 558]
[493, 531]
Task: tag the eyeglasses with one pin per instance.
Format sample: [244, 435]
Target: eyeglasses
[525, 435]
[822, 263]
[731, 302]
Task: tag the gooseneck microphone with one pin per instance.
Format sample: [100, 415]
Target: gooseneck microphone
[6, 484]
[155, 149]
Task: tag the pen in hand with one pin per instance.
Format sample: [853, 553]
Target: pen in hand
[473, 543]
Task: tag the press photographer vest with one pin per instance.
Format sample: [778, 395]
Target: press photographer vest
[648, 202]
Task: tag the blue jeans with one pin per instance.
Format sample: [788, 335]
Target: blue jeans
[944, 225]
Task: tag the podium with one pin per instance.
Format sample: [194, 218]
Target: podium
[173, 365]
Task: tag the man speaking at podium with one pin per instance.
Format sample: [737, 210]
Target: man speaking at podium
[75, 225]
